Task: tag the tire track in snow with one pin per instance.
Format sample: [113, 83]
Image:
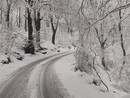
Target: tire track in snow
[17, 86]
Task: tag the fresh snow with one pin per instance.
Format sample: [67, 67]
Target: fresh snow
[79, 84]
[7, 70]
[34, 78]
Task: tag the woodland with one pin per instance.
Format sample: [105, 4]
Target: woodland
[99, 30]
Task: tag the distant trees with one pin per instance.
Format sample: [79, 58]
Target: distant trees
[58, 10]
[54, 18]
[8, 6]
[7, 36]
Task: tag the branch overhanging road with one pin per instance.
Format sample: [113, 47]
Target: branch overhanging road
[49, 86]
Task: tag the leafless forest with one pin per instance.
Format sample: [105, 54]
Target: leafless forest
[97, 30]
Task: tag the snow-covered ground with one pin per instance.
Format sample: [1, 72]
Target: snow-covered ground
[34, 79]
[7, 70]
[79, 84]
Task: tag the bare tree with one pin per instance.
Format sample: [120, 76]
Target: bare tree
[121, 36]
[30, 46]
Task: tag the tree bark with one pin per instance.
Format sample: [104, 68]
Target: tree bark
[8, 14]
[1, 13]
[30, 47]
[121, 35]
[30, 28]
[38, 27]
[122, 42]
[53, 36]
[54, 29]
[19, 17]
[103, 57]
[25, 24]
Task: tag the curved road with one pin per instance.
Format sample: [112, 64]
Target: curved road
[49, 85]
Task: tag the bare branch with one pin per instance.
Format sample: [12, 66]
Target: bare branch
[104, 4]
[97, 34]
[114, 10]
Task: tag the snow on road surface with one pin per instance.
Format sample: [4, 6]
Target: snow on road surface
[76, 85]
[36, 77]
[8, 70]
[29, 86]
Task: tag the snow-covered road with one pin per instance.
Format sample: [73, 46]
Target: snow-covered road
[49, 87]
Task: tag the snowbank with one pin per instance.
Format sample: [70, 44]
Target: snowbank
[49, 45]
[75, 84]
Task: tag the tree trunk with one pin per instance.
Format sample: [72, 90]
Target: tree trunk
[121, 35]
[1, 13]
[38, 27]
[19, 17]
[54, 29]
[103, 56]
[25, 24]
[122, 42]
[30, 47]
[104, 63]
[8, 15]
[30, 28]
[102, 42]
[53, 36]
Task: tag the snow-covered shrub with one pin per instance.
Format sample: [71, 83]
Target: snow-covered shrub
[17, 55]
[83, 58]
[29, 47]
[97, 81]
[6, 40]
[10, 41]
[7, 60]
